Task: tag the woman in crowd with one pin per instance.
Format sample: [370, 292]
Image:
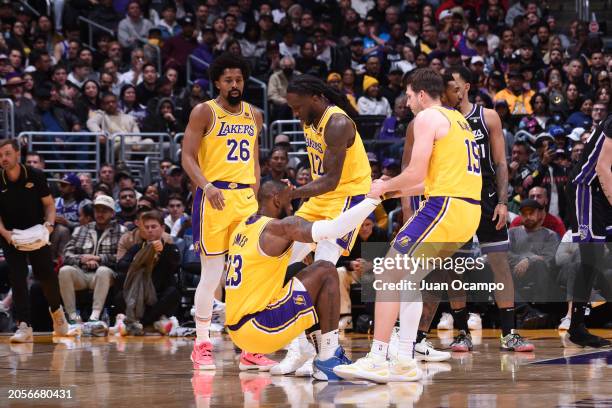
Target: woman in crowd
[89, 101]
[130, 106]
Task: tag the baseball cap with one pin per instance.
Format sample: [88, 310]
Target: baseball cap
[72, 179]
[444, 14]
[372, 157]
[105, 201]
[576, 133]
[530, 203]
[187, 20]
[477, 59]
[175, 169]
[556, 131]
[542, 137]
[3, 56]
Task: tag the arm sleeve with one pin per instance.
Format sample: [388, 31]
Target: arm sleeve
[345, 222]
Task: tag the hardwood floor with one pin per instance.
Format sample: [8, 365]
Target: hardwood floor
[156, 371]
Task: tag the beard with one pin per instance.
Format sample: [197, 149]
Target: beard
[234, 100]
[127, 209]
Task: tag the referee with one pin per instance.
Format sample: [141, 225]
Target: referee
[590, 197]
[25, 201]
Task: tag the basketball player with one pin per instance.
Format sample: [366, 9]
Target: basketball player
[262, 315]
[448, 218]
[341, 177]
[220, 155]
[492, 232]
[590, 196]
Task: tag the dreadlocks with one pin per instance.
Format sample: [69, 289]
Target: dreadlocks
[310, 85]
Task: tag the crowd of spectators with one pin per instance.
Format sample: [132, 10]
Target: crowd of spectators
[549, 84]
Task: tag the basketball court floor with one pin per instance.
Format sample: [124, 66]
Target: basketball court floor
[156, 371]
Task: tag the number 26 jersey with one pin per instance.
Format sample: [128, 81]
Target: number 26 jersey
[227, 149]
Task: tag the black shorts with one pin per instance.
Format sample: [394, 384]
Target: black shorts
[489, 238]
[590, 214]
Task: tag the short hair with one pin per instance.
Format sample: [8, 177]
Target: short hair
[269, 189]
[228, 61]
[10, 142]
[128, 189]
[152, 215]
[463, 72]
[427, 80]
[176, 197]
[79, 63]
[149, 64]
[35, 153]
[151, 201]
[521, 143]
[107, 94]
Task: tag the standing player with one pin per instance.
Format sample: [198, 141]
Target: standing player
[220, 155]
[340, 172]
[262, 315]
[591, 196]
[448, 218]
[492, 232]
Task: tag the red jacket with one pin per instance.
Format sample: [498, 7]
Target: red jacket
[550, 221]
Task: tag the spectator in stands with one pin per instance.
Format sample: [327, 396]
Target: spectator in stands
[164, 262]
[177, 49]
[127, 204]
[307, 62]
[134, 75]
[550, 175]
[88, 102]
[152, 192]
[110, 67]
[176, 215]
[133, 26]
[372, 103]
[164, 120]
[576, 76]
[90, 259]
[106, 175]
[517, 98]
[72, 198]
[42, 64]
[532, 252]
[49, 117]
[550, 221]
[174, 185]
[130, 106]
[111, 120]
[86, 214]
[86, 183]
[394, 127]
[168, 25]
[582, 118]
[136, 236]
[538, 121]
[23, 107]
[278, 160]
[277, 88]
[335, 81]
[80, 73]
[146, 90]
[599, 111]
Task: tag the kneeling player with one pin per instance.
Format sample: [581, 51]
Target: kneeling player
[262, 315]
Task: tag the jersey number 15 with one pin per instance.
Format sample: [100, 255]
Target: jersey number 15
[473, 155]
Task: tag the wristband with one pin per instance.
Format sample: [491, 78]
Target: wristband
[206, 187]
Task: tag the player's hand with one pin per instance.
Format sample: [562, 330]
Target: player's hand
[501, 214]
[377, 189]
[158, 245]
[215, 198]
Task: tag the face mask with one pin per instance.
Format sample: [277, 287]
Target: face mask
[288, 71]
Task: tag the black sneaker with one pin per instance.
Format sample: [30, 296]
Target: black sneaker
[582, 338]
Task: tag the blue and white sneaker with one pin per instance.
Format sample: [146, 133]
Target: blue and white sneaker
[324, 370]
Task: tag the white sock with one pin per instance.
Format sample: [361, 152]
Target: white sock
[95, 315]
[315, 337]
[410, 315]
[379, 349]
[212, 269]
[329, 345]
[304, 345]
[328, 251]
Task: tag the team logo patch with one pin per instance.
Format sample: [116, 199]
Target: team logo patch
[232, 186]
[299, 300]
[404, 241]
[29, 185]
[583, 231]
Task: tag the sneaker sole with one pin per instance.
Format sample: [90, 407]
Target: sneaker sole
[461, 349]
[249, 367]
[431, 359]
[355, 375]
[308, 373]
[204, 367]
[395, 378]
[29, 340]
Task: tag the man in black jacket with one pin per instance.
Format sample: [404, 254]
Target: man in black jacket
[167, 261]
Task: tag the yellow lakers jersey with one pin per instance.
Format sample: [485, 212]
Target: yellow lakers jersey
[355, 178]
[227, 149]
[454, 166]
[253, 279]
